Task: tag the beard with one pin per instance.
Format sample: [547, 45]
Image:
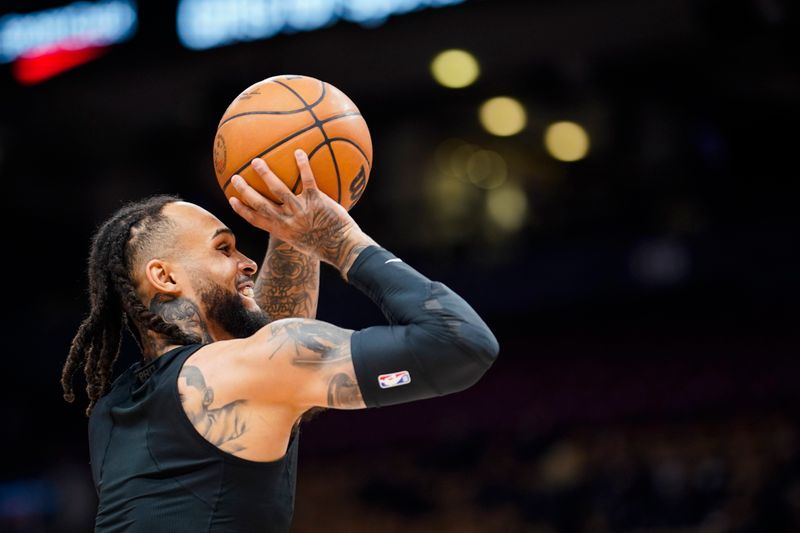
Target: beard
[227, 309]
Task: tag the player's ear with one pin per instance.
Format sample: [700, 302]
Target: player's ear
[162, 277]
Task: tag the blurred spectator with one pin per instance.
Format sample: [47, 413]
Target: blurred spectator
[740, 474]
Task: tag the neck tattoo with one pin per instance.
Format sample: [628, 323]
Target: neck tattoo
[183, 313]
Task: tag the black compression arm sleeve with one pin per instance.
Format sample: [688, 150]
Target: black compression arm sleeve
[436, 344]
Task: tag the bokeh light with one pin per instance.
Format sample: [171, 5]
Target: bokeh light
[503, 116]
[452, 157]
[507, 206]
[486, 169]
[566, 141]
[451, 203]
[470, 163]
[455, 68]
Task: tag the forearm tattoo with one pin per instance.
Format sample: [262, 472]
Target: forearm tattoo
[325, 349]
[288, 285]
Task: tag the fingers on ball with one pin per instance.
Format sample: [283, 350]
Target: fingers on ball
[248, 213]
[277, 187]
[306, 175]
[251, 197]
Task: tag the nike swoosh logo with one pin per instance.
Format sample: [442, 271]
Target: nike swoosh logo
[395, 260]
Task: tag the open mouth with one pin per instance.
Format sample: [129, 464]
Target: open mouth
[246, 289]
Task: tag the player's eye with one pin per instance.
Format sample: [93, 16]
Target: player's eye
[225, 249]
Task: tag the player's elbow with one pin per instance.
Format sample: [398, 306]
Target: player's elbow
[464, 339]
[478, 349]
[432, 358]
[460, 352]
[484, 344]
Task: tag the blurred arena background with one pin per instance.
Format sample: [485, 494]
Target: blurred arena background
[609, 183]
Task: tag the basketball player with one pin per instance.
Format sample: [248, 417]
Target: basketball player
[201, 435]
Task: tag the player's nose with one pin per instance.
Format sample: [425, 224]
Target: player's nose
[248, 266]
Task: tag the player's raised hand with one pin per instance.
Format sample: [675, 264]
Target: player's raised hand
[311, 221]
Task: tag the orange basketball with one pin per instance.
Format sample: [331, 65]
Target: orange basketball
[276, 116]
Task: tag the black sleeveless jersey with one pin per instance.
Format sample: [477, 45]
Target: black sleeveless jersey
[154, 473]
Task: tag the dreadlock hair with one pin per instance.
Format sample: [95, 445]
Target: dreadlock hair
[119, 246]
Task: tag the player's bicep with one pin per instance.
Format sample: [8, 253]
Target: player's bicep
[310, 364]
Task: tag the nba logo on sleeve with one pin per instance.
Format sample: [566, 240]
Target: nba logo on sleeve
[395, 379]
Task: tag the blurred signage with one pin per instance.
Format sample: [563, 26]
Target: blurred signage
[203, 24]
[73, 26]
[45, 43]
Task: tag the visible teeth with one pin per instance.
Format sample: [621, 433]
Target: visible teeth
[248, 291]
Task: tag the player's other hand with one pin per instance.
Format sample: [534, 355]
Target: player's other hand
[311, 221]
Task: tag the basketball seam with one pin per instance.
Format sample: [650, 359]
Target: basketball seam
[350, 141]
[285, 140]
[319, 123]
[293, 111]
[316, 102]
[237, 115]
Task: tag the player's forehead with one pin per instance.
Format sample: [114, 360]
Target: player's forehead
[193, 221]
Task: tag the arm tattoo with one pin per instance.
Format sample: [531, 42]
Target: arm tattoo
[288, 285]
[222, 427]
[325, 349]
[344, 392]
[316, 343]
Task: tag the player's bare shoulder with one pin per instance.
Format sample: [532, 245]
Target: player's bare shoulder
[296, 363]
